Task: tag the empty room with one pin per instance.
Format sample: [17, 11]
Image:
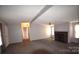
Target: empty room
[39, 29]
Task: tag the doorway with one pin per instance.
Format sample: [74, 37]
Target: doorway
[25, 32]
[1, 39]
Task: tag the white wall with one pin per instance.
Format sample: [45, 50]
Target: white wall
[37, 31]
[62, 27]
[70, 34]
[15, 33]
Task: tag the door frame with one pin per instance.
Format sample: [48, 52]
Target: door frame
[3, 45]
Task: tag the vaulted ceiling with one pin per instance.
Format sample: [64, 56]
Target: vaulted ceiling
[42, 14]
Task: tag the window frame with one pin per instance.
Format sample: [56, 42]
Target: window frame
[75, 30]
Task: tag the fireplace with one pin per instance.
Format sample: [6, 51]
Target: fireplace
[61, 36]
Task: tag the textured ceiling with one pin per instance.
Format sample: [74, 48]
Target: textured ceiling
[56, 14]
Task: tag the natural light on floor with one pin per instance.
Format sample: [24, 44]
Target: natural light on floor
[77, 31]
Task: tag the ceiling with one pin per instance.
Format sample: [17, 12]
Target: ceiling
[12, 14]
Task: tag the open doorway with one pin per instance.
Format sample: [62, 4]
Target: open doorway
[25, 32]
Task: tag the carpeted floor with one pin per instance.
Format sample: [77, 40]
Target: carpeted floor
[38, 47]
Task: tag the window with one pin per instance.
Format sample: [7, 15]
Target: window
[77, 31]
[0, 39]
[50, 30]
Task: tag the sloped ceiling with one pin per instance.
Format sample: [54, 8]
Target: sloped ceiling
[56, 14]
[16, 14]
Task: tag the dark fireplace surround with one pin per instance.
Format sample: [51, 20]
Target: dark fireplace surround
[61, 36]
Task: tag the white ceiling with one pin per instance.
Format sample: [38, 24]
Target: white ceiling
[56, 14]
[16, 14]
